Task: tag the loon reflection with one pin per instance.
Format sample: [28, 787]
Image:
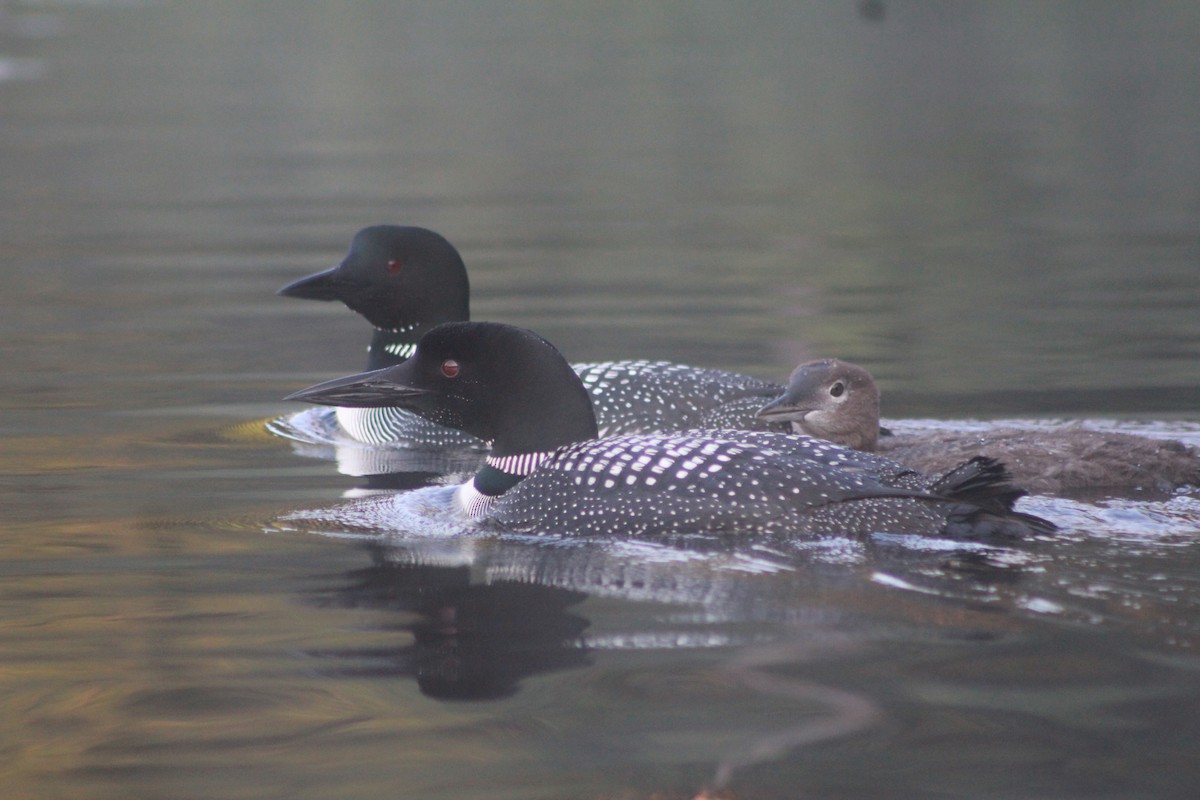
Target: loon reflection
[480, 617]
[484, 615]
[470, 641]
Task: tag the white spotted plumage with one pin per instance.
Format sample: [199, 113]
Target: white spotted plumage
[660, 396]
[713, 481]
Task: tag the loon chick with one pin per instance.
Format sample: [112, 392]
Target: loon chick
[404, 280]
[839, 401]
[548, 473]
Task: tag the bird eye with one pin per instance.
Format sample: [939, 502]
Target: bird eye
[394, 266]
[450, 368]
[838, 389]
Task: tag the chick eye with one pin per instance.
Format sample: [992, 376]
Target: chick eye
[394, 266]
[838, 389]
[450, 368]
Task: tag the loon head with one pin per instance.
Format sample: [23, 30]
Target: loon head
[830, 399]
[396, 276]
[498, 382]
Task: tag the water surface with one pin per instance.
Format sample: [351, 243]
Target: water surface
[993, 207]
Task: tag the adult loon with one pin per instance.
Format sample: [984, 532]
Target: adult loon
[839, 401]
[405, 280]
[548, 473]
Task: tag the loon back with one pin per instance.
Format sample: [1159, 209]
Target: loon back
[734, 482]
[662, 396]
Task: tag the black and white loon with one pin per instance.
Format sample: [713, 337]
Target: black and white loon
[405, 280]
[839, 401]
[548, 473]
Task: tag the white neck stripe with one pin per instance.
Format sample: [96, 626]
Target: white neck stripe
[401, 350]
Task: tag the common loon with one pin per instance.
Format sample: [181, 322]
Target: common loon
[548, 473]
[839, 401]
[404, 280]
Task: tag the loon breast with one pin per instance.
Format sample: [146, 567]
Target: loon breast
[391, 426]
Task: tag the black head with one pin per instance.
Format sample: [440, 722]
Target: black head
[395, 276]
[830, 399]
[500, 383]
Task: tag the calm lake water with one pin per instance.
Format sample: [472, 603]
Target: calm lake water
[993, 206]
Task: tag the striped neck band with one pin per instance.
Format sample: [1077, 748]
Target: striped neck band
[401, 349]
[474, 503]
[520, 464]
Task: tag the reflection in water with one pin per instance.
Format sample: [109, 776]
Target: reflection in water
[768, 578]
[481, 616]
[471, 641]
[992, 205]
[846, 712]
[484, 618]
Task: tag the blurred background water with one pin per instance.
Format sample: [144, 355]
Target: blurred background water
[993, 206]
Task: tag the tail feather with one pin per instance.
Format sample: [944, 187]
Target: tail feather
[983, 485]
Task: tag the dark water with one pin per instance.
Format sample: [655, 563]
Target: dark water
[994, 206]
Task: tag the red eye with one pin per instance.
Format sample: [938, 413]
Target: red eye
[450, 368]
[395, 265]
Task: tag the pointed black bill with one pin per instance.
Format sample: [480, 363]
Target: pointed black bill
[373, 389]
[325, 285]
